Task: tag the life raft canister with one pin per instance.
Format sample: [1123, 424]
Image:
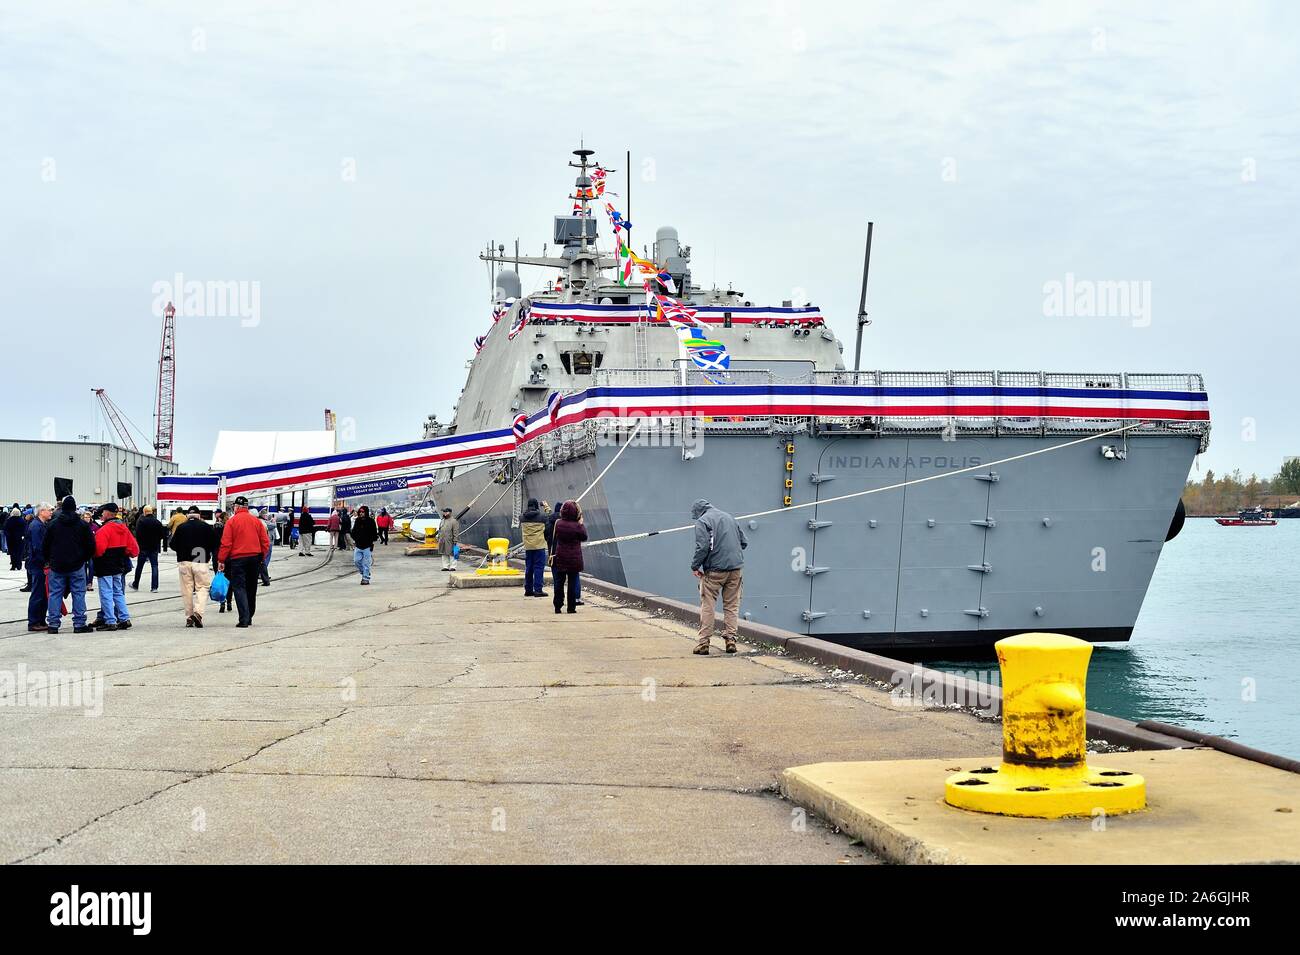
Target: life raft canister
[1176, 525]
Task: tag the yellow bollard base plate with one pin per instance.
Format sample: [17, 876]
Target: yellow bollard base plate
[498, 572]
[1046, 793]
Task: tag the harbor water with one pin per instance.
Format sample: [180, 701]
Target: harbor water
[1217, 645]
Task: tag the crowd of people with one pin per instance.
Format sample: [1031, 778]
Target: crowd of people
[65, 550]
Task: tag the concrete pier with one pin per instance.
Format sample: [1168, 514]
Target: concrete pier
[412, 722]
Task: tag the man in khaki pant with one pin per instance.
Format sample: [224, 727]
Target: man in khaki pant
[194, 543]
[718, 561]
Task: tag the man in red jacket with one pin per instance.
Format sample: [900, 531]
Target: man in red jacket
[114, 543]
[244, 543]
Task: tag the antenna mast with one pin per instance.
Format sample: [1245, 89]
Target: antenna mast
[863, 321]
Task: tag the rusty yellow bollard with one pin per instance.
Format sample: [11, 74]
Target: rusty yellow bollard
[430, 537]
[496, 566]
[1044, 771]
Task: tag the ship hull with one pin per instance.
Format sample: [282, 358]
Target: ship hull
[1064, 541]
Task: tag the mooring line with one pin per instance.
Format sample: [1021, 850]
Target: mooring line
[874, 490]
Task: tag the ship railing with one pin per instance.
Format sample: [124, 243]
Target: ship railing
[563, 445]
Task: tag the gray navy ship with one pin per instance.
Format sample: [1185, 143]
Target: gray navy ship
[1064, 538]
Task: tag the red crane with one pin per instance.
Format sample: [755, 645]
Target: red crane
[114, 417]
[166, 410]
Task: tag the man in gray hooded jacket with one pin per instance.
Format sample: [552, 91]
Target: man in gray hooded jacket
[719, 556]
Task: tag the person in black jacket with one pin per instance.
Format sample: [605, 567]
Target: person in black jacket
[68, 546]
[364, 535]
[149, 534]
[345, 526]
[306, 532]
[195, 543]
[15, 538]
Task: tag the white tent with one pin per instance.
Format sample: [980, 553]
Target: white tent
[246, 449]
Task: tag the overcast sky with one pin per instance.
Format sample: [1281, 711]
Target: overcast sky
[349, 160]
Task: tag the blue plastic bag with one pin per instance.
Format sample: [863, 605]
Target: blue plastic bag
[220, 587]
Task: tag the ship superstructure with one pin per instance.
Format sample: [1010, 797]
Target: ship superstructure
[1033, 524]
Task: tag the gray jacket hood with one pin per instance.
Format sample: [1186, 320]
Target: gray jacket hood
[698, 508]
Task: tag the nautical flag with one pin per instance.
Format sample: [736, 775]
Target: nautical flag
[499, 310]
[624, 264]
[707, 355]
[478, 343]
[521, 319]
[676, 312]
[616, 219]
[553, 405]
[666, 281]
[520, 427]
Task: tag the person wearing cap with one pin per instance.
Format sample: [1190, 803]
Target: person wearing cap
[67, 545]
[532, 523]
[243, 544]
[114, 546]
[194, 542]
[364, 535]
[149, 534]
[37, 585]
[448, 539]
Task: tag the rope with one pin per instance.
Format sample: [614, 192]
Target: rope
[517, 478]
[875, 490]
[626, 444]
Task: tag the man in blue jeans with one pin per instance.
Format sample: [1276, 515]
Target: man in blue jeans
[114, 545]
[364, 534]
[149, 534]
[532, 522]
[68, 544]
[37, 605]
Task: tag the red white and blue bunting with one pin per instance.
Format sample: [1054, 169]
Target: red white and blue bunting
[806, 400]
[176, 490]
[702, 401]
[707, 314]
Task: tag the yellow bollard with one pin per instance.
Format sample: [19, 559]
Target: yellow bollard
[496, 566]
[1044, 771]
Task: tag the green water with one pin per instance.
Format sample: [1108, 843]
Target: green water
[1217, 645]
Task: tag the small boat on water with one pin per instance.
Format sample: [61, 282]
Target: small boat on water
[1255, 517]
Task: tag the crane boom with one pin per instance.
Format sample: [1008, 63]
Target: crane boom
[115, 418]
[164, 415]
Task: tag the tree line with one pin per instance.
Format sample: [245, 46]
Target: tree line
[1229, 493]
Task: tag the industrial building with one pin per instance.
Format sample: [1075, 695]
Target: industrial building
[99, 472]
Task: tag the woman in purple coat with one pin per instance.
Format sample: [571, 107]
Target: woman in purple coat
[566, 563]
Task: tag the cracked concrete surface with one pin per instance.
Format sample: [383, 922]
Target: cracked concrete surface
[409, 722]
